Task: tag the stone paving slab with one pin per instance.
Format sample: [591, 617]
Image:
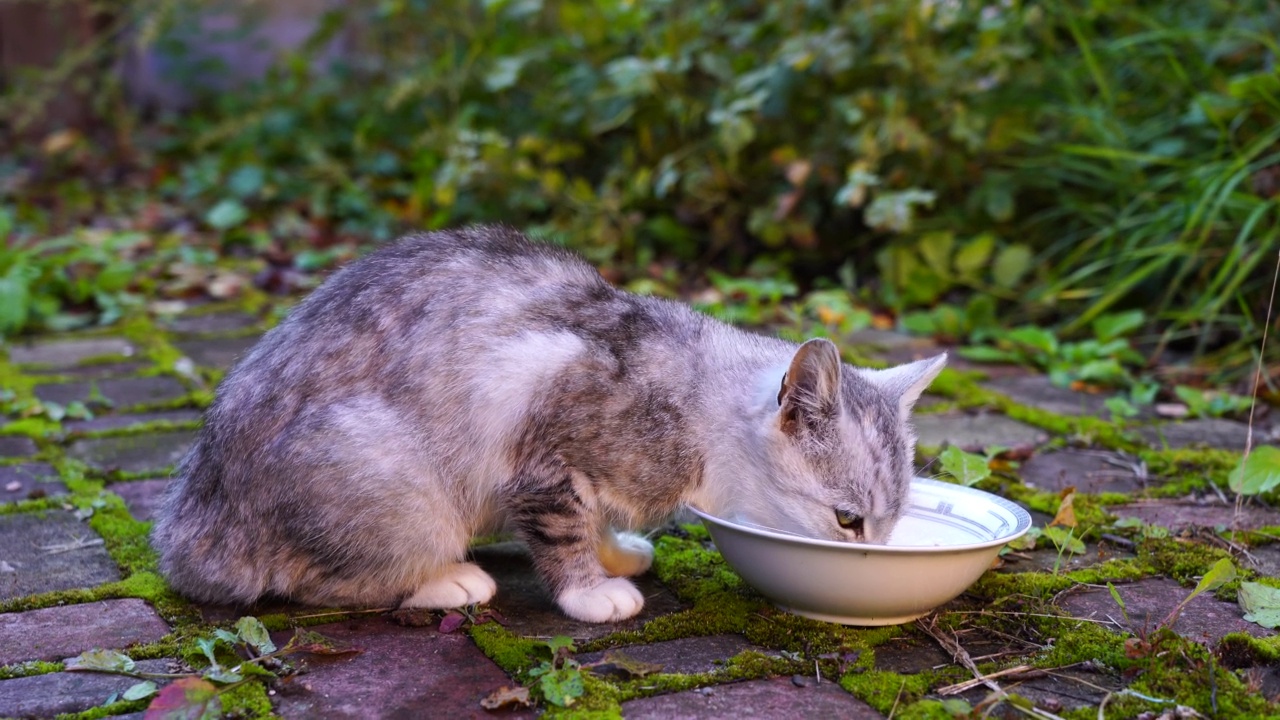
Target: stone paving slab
[42, 696]
[1178, 515]
[122, 392]
[49, 551]
[1089, 471]
[142, 497]
[220, 353]
[66, 631]
[65, 353]
[1207, 432]
[1045, 557]
[975, 432]
[773, 698]
[530, 610]
[403, 672]
[29, 481]
[17, 446]
[686, 655]
[134, 453]
[117, 422]
[1149, 601]
[1067, 689]
[95, 371]
[210, 323]
[1037, 391]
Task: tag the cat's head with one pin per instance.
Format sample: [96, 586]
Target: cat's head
[841, 446]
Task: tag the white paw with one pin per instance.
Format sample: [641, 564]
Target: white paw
[457, 585]
[612, 600]
[625, 554]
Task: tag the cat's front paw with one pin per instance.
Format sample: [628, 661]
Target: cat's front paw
[612, 600]
[625, 554]
[455, 586]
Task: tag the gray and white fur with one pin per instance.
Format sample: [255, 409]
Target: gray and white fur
[456, 383]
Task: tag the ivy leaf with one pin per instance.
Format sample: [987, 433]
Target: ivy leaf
[189, 698]
[1257, 473]
[1261, 604]
[227, 214]
[968, 468]
[102, 661]
[254, 633]
[562, 687]
[146, 688]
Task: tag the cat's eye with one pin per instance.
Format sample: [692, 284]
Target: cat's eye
[849, 521]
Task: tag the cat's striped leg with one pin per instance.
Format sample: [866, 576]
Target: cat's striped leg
[563, 533]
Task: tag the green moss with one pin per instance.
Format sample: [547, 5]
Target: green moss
[26, 669]
[510, 651]
[882, 689]
[103, 711]
[1181, 560]
[1185, 470]
[248, 700]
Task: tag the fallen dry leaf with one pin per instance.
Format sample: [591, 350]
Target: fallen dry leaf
[413, 617]
[1066, 516]
[14, 486]
[452, 621]
[507, 697]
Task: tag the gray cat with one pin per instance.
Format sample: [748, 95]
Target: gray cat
[456, 383]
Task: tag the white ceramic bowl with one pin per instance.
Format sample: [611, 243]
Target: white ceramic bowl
[946, 539]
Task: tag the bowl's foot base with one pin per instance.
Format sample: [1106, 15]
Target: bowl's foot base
[863, 621]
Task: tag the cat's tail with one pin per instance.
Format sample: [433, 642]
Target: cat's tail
[202, 548]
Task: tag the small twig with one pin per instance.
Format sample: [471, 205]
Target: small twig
[78, 543]
[340, 612]
[1118, 540]
[960, 687]
[894, 709]
[1257, 378]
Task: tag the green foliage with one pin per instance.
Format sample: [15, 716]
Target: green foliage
[71, 281]
[1257, 473]
[559, 678]
[1063, 161]
[967, 468]
[1261, 604]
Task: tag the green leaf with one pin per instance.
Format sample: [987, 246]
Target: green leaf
[101, 660]
[1111, 327]
[1220, 574]
[1035, 338]
[1257, 473]
[222, 675]
[968, 468]
[974, 255]
[562, 687]
[1012, 263]
[246, 181]
[226, 636]
[1120, 407]
[208, 647]
[560, 642]
[146, 688]
[254, 633]
[227, 214]
[1261, 604]
[984, 353]
[935, 248]
[1115, 595]
[1064, 539]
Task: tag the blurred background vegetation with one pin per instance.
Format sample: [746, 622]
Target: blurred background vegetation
[1085, 185]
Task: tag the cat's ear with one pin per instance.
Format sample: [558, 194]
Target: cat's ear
[811, 387]
[906, 382]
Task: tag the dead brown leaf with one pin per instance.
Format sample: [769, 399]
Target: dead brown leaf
[507, 697]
